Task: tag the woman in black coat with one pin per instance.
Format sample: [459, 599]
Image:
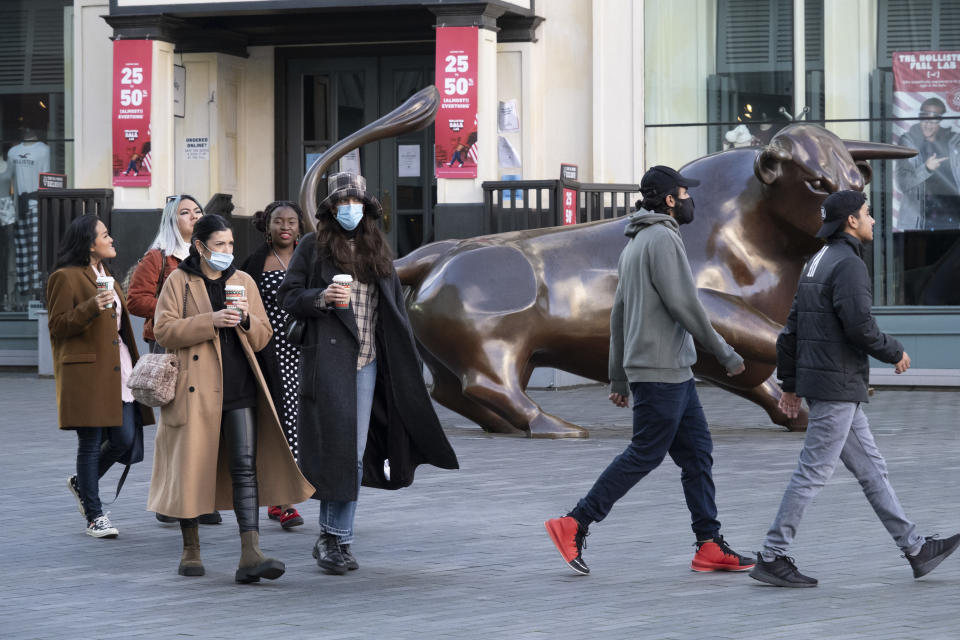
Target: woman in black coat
[281, 224]
[364, 410]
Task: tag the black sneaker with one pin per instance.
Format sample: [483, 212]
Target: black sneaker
[352, 563]
[165, 519]
[782, 572]
[932, 553]
[75, 490]
[329, 555]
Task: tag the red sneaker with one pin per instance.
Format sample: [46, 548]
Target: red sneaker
[290, 519]
[716, 555]
[274, 513]
[568, 537]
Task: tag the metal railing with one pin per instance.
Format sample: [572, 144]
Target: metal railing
[515, 205]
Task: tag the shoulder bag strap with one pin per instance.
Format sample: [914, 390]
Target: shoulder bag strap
[163, 272]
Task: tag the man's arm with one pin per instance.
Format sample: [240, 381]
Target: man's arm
[787, 351]
[852, 299]
[674, 282]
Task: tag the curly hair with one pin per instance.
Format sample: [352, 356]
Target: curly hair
[261, 219]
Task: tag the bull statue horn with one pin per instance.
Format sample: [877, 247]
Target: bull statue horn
[416, 113]
[861, 150]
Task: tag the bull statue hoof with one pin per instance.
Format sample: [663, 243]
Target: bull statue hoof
[548, 426]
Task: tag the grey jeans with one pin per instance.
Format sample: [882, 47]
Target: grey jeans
[839, 431]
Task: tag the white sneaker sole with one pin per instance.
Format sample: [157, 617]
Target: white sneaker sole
[76, 496]
[104, 533]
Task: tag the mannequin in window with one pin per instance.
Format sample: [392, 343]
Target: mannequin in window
[30, 158]
[8, 216]
[929, 181]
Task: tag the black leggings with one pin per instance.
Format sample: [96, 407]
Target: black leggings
[238, 429]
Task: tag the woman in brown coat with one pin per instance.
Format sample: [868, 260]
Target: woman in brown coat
[93, 354]
[219, 443]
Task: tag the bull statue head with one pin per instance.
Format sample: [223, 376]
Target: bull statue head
[804, 163]
[418, 112]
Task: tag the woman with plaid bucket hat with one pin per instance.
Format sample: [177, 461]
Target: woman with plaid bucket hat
[365, 416]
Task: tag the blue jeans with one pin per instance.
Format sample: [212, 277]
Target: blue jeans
[667, 418]
[839, 432]
[336, 517]
[96, 454]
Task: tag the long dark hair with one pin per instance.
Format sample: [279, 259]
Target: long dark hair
[372, 257]
[261, 219]
[74, 250]
[206, 226]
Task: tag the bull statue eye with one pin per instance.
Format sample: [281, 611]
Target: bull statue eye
[816, 184]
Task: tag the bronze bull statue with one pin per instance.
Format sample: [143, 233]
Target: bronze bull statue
[486, 311]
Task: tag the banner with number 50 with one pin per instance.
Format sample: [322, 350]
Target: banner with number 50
[455, 138]
[131, 112]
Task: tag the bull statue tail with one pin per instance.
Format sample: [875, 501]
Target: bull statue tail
[413, 267]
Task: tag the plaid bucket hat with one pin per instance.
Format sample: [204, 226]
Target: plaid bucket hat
[343, 185]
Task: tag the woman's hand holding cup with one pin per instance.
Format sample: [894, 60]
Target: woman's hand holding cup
[226, 318]
[104, 299]
[337, 295]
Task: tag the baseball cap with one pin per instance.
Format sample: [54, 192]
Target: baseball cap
[661, 180]
[836, 208]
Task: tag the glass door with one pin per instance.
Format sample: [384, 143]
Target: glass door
[408, 189]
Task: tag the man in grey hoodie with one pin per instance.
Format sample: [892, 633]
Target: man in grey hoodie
[656, 317]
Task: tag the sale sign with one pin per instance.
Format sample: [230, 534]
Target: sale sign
[926, 188]
[569, 206]
[455, 137]
[131, 112]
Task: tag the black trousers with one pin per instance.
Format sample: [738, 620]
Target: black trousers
[238, 429]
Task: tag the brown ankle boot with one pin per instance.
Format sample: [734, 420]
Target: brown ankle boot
[190, 564]
[253, 564]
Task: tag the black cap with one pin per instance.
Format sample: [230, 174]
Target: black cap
[661, 180]
[836, 208]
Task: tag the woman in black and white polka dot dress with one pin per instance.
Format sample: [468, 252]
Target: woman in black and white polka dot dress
[282, 225]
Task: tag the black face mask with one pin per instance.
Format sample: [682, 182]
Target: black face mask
[683, 211]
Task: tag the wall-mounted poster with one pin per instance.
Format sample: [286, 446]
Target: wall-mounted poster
[926, 188]
[455, 129]
[131, 112]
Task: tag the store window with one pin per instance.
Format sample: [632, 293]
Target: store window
[736, 78]
[34, 131]
[916, 91]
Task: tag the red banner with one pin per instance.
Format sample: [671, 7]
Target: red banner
[131, 112]
[569, 206]
[455, 138]
[926, 189]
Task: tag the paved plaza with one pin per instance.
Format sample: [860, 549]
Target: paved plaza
[463, 553]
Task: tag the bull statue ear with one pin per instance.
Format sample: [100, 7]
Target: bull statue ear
[865, 171]
[769, 164]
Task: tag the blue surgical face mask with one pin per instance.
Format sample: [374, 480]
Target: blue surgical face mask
[349, 215]
[218, 261]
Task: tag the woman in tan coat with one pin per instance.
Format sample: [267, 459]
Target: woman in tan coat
[93, 354]
[219, 443]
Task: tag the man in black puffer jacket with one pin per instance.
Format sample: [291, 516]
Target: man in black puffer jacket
[822, 355]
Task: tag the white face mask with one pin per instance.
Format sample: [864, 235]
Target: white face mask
[349, 215]
[218, 261]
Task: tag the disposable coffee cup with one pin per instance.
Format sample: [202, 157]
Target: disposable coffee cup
[344, 280]
[105, 283]
[234, 294]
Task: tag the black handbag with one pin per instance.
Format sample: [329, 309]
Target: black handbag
[293, 330]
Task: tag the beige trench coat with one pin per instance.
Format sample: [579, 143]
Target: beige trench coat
[190, 471]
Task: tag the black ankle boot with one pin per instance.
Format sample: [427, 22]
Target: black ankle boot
[329, 555]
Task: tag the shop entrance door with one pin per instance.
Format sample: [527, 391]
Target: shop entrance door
[327, 99]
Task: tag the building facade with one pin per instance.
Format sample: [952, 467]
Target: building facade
[245, 93]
